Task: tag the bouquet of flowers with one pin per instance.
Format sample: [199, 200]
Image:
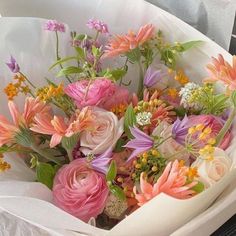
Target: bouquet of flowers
[105, 150]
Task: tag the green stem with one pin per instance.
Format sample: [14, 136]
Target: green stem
[163, 141]
[121, 79]
[27, 80]
[44, 154]
[140, 85]
[226, 127]
[96, 36]
[57, 54]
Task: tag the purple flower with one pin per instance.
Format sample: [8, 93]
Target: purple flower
[180, 129]
[100, 163]
[141, 142]
[152, 77]
[13, 66]
[98, 25]
[53, 25]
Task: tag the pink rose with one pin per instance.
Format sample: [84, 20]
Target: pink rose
[97, 92]
[79, 190]
[120, 96]
[216, 124]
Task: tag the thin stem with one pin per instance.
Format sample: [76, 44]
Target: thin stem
[57, 54]
[163, 141]
[27, 80]
[140, 85]
[121, 79]
[226, 127]
[87, 89]
[96, 36]
[44, 154]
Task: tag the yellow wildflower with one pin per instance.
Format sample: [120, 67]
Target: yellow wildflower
[181, 77]
[3, 164]
[192, 172]
[11, 91]
[25, 89]
[172, 92]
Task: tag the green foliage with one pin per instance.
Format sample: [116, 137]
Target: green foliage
[118, 73]
[112, 171]
[199, 187]
[129, 120]
[134, 55]
[209, 102]
[117, 191]
[63, 60]
[69, 142]
[69, 70]
[45, 173]
[119, 145]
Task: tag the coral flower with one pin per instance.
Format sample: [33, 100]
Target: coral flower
[8, 130]
[58, 127]
[173, 182]
[221, 70]
[124, 43]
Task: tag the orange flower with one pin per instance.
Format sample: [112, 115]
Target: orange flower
[173, 182]
[8, 130]
[124, 43]
[221, 70]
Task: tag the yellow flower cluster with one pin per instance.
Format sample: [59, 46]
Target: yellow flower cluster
[119, 109]
[192, 172]
[13, 89]
[181, 77]
[173, 93]
[3, 164]
[48, 92]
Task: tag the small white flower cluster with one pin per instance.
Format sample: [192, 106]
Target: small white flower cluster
[186, 95]
[144, 118]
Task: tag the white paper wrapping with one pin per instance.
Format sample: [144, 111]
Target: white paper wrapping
[34, 50]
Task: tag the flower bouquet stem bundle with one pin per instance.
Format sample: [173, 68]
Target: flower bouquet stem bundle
[106, 152]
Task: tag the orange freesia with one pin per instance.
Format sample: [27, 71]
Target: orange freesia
[9, 129]
[173, 182]
[124, 43]
[58, 127]
[221, 70]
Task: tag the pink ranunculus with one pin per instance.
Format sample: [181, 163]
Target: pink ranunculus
[86, 93]
[120, 96]
[216, 124]
[79, 190]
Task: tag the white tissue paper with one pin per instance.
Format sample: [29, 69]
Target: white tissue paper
[34, 50]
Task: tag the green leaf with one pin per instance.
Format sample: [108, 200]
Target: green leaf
[112, 171]
[119, 73]
[69, 70]
[134, 55]
[95, 51]
[199, 187]
[233, 98]
[61, 61]
[45, 174]
[117, 191]
[119, 145]
[80, 52]
[33, 161]
[129, 120]
[69, 142]
[186, 46]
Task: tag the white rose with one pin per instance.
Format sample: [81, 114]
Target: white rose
[105, 134]
[211, 171]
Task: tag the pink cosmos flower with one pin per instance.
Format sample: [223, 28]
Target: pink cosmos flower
[173, 182]
[87, 93]
[121, 44]
[8, 130]
[79, 190]
[53, 25]
[58, 127]
[120, 96]
[221, 70]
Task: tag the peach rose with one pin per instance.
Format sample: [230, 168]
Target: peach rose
[105, 134]
[211, 171]
[79, 190]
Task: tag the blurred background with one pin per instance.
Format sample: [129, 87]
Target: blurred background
[214, 18]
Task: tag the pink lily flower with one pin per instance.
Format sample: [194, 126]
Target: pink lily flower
[173, 182]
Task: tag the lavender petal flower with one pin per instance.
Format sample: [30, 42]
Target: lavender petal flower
[141, 142]
[180, 129]
[152, 77]
[13, 66]
[100, 163]
[98, 25]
